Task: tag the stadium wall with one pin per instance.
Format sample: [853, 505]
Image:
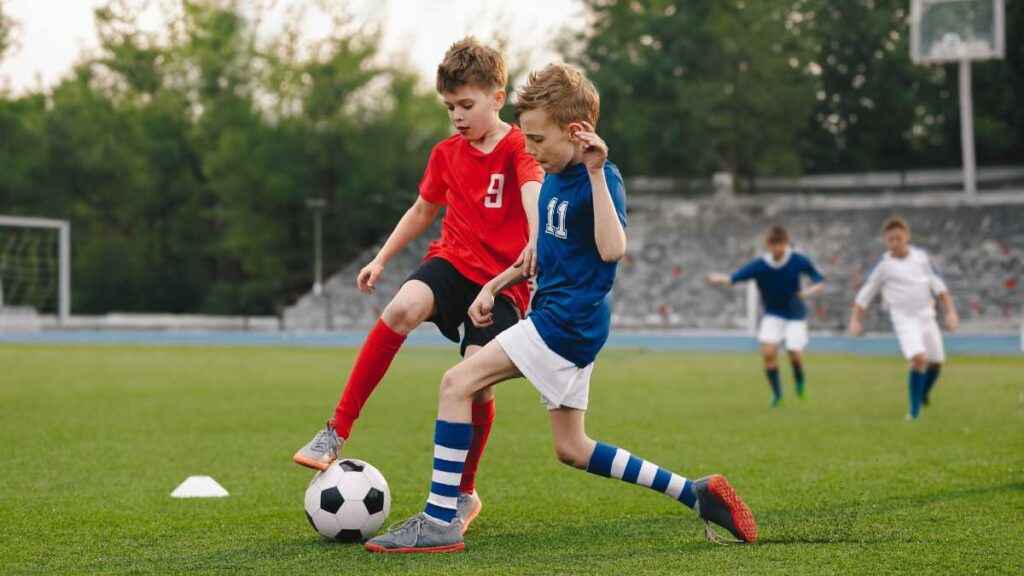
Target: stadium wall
[977, 245]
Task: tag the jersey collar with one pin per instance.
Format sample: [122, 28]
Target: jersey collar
[771, 261]
[473, 150]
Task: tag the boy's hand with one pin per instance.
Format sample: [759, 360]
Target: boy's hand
[527, 262]
[718, 279]
[855, 328]
[952, 321]
[481, 310]
[595, 151]
[367, 278]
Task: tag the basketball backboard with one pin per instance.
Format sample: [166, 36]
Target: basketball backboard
[955, 30]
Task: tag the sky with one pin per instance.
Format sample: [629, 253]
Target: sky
[52, 34]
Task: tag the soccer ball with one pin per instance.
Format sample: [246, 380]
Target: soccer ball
[348, 502]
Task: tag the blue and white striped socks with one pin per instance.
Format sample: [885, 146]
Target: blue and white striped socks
[613, 462]
[451, 445]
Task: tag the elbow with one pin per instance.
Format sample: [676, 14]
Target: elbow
[612, 256]
[614, 253]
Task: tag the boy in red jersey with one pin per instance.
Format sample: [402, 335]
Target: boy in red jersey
[490, 186]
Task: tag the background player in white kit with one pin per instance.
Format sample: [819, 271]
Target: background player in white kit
[909, 286]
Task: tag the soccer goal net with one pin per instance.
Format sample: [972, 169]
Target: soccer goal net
[35, 266]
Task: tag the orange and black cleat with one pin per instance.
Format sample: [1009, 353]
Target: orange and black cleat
[717, 502]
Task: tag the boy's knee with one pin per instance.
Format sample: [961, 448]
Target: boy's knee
[404, 315]
[919, 362]
[453, 386]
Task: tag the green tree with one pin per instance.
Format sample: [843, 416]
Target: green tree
[693, 87]
[185, 159]
[6, 31]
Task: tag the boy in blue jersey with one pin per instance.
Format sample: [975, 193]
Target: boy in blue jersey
[778, 274]
[580, 240]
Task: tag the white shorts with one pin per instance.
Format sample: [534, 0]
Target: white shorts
[774, 330]
[919, 336]
[560, 382]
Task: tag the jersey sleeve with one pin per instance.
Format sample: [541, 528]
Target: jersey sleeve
[812, 271]
[870, 288]
[617, 188]
[934, 280]
[747, 272]
[527, 168]
[433, 188]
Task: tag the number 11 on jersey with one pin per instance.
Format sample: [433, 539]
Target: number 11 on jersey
[557, 229]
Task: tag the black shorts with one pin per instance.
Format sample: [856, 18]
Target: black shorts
[453, 293]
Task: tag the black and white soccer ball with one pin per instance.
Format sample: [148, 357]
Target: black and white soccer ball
[348, 502]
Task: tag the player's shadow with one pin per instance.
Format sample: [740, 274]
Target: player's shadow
[843, 519]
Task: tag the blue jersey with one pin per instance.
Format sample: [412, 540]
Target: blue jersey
[779, 283]
[572, 305]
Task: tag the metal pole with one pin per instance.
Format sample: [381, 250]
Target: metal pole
[317, 205]
[967, 129]
[318, 251]
[64, 305]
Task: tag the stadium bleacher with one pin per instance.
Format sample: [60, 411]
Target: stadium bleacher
[977, 246]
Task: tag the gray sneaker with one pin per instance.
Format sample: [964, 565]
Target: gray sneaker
[319, 452]
[468, 509]
[419, 534]
[717, 502]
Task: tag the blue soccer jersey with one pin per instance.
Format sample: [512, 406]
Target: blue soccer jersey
[779, 283]
[572, 308]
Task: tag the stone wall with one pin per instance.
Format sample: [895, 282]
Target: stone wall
[978, 247]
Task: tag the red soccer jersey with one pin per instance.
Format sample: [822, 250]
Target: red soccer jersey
[484, 228]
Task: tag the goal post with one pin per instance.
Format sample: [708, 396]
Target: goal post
[63, 229]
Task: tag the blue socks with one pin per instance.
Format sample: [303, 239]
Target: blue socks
[613, 462]
[451, 445]
[798, 375]
[916, 386]
[929, 382]
[773, 379]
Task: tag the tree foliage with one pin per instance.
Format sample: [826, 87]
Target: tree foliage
[788, 86]
[185, 160]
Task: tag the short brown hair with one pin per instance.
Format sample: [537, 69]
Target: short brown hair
[777, 235]
[563, 92]
[894, 223]
[470, 62]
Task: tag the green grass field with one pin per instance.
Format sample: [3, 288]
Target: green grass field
[93, 439]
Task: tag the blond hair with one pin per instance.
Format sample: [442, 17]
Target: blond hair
[563, 92]
[470, 62]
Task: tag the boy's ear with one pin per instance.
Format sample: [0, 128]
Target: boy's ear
[500, 96]
[575, 127]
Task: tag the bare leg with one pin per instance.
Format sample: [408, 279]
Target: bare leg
[466, 379]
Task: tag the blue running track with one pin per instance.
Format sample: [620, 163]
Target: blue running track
[876, 345]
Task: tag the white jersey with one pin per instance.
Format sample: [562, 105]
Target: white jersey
[908, 285]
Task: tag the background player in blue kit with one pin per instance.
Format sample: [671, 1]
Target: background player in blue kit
[778, 276]
[581, 238]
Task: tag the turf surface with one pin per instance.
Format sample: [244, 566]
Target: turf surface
[93, 439]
